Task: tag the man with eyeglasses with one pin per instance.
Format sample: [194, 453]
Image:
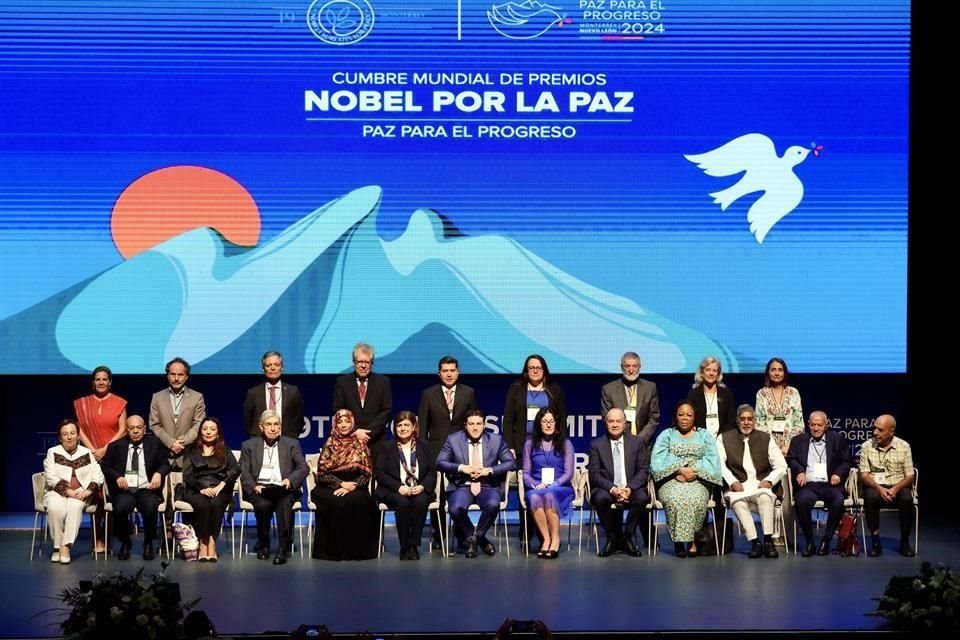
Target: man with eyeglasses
[275, 395]
[366, 394]
[636, 397]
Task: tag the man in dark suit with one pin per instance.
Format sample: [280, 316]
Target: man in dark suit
[619, 466]
[443, 410]
[476, 464]
[366, 394]
[272, 470]
[274, 394]
[135, 467]
[636, 397]
[820, 462]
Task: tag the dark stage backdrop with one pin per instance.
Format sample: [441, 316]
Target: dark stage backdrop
[35, 404]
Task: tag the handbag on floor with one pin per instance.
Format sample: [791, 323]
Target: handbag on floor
[188, 541]
[847, 541]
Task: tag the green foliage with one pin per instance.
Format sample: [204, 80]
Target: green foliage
[926, 602]
[134, 607]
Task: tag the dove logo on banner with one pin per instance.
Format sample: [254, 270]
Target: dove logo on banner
[755, 156]
[525, 20]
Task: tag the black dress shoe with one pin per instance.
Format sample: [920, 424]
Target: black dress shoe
[414, 553]
[124, 552]
[875, 550]
[404, 554]
[629, 548]
[488, 547]
[608, 549]
[148, 553]
[770, 551]
[756, 549]
[824, 548]
[906, 550]
[280, 558]
[263, 554]
[680, 549]
[808, 550]
[471, 551]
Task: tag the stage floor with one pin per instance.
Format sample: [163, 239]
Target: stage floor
[435, 594]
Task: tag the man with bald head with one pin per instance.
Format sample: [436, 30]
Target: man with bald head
[886, 470]
[134, 467]
[619, 467]
[819, 460]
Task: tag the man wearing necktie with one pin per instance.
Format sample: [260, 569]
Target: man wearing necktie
[366, 395]
[135, 467]
[820, 462]
[476, 463]
[443, 410]
[636, 397]
[274, 395]
[619, 466]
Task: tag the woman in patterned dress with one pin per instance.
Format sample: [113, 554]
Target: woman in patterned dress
[686, 466]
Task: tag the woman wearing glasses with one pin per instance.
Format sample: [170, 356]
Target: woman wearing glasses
[548, 465]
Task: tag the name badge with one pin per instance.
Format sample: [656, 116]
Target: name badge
[880, 476]
[820, 470]
[548, 475]
[532, 412]
[631, 415]
[132, 479]
[779, 424]
[713, 423]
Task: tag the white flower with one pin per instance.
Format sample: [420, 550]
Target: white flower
[142, 619]
[115, 613]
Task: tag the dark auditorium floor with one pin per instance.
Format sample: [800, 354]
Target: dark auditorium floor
[456, 594]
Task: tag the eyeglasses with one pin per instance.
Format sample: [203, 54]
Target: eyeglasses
[548, 421]
[362, 361]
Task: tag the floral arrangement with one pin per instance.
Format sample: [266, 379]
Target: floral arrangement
[926, 602]
[135, 607]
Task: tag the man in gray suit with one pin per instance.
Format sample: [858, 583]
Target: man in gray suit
[272, 470]
[177, 411]
[637, 397]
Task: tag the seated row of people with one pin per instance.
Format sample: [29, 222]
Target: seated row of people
[686, 463]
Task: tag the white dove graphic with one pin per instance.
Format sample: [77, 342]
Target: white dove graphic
[755, 154]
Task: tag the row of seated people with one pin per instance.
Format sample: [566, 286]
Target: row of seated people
[176, 412]
[686, 463]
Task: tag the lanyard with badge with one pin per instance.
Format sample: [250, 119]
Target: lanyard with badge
[713, 419]
[820, 466]
[532, 409]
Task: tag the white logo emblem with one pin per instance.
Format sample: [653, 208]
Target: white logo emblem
[755, 154]
[524, 20]
[340, 21]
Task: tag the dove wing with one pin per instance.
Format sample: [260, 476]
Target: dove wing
[740, 154]
[776, 202]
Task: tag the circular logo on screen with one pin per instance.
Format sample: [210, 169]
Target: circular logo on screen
[340, 21]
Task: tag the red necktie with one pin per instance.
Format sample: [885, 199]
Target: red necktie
[363, 391]
[273, 397]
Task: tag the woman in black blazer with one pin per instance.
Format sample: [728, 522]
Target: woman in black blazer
[715, 408]
[532, 392]
[406, 481]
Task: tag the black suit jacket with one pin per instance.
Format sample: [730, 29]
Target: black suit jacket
[636, 456]
[515, 412]
[114, 463]
[293, 466]
[375, 412]
[434, 417]
[387, 468]
[726, 408]
[291, 409]
[838, 455]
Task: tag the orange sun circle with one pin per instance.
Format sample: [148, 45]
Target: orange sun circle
[169, 201]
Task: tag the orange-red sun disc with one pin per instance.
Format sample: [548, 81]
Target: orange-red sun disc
[167, 202]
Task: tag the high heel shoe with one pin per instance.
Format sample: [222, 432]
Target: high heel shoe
[542, 554]
[692, 552]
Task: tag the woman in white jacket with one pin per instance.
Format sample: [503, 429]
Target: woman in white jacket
[73, 478]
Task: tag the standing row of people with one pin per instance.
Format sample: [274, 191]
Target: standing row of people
[533, 428]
